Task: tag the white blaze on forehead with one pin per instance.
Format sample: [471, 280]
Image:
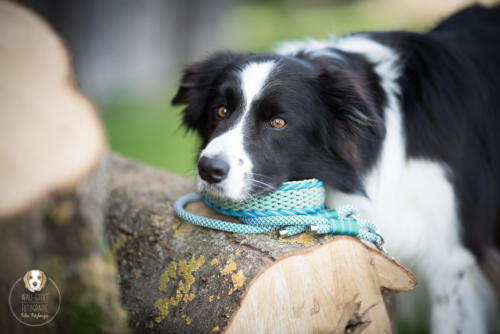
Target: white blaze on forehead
[253, 78]
[230, 144]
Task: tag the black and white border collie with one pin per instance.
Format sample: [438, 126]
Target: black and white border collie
[405, 126]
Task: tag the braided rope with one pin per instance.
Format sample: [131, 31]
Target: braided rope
[294, 208]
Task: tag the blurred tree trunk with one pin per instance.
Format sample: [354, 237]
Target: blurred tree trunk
[53, 187]
[62, 236]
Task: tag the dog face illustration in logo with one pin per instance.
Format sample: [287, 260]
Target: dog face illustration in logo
[34, 280]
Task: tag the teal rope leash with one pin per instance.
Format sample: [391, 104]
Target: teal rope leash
[296, 207]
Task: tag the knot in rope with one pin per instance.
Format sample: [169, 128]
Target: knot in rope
[296, 207]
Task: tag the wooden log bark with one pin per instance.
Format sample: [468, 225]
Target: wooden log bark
[53, 180]
[180, 278]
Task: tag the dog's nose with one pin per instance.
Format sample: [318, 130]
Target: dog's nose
[213, 169]
[35, 283]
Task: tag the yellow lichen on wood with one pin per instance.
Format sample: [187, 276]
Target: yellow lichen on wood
[238, 252]
[184, 270]
[118, 244]
[218, 297]
[188, 321]
[137, 272]
[210, 298]
[305, 239]
[151, 324]
[181, 227]
[230, 266]
[216, 329]
[214, 261]
[189, 297]
[157, 220]
[161, 305]
[167, 275]
[238, 279]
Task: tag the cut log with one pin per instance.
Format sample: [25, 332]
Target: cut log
[52, 184]
[180, 278]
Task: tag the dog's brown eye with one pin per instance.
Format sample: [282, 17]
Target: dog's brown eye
[278, 123]
[222, 112]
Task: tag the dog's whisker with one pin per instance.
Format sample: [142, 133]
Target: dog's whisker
[261, 175]
[262, 184]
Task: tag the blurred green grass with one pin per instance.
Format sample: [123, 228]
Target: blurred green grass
[149, 129]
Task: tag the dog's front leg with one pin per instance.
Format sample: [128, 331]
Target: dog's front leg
[456, 288]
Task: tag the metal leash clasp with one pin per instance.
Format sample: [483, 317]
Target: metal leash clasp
[380, 244]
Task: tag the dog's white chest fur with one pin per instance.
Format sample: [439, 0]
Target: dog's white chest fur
[413, 205]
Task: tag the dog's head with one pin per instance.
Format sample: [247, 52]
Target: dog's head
[34, 280]
[267, 119]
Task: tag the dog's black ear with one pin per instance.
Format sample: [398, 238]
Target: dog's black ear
[354, 100]
[195, 87]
